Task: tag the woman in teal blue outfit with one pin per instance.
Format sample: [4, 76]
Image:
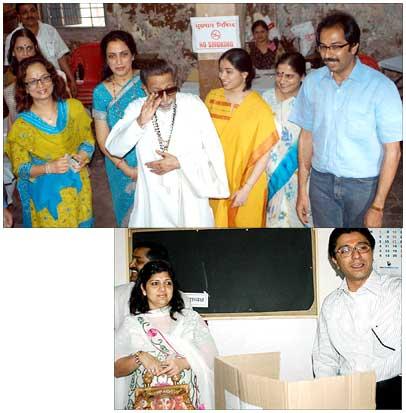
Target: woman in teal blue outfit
[120, 86]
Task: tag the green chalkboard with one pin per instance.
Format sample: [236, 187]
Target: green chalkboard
[244, 271]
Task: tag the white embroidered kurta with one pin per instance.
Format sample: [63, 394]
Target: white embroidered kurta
[188, 336]
[179, 198]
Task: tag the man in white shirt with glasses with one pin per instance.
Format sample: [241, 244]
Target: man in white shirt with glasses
[359, 328]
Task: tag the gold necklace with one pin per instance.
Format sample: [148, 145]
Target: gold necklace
[48, 118]
[118, 84]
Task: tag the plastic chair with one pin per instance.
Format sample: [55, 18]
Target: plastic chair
[87, 62]
[369, 61]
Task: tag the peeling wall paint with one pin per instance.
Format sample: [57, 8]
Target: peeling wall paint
[381, 23]
[162, 29]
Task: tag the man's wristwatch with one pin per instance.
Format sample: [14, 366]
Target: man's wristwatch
[375, 208]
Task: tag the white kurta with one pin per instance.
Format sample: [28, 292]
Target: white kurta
[179, 198]
[188, 336]
[122, 295]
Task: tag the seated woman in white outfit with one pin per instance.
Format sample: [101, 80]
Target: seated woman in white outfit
[164, 339]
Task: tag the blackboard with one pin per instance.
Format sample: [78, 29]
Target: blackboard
[244, 271]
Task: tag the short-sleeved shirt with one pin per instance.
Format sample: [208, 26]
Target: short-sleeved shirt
[349, 122]
[50, 42]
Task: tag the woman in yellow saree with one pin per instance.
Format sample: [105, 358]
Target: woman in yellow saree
[247, 131]
[49, 146]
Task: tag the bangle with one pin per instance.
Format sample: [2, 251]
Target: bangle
[248, 184]
[118, 163]
[137, 357]
[374, 207]
[47, 170]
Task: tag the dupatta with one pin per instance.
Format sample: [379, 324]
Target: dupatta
[188, 337]
[31, 141]
[116, 107]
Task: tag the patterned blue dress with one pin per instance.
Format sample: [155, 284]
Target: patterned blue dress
[112, 110]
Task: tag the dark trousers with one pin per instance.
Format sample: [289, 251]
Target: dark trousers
[340, 202]
[389, 394]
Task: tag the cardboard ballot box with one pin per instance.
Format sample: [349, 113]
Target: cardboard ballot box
[251, 381]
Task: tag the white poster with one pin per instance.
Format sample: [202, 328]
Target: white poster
[307, 37]
[215, 34]
[200, 300]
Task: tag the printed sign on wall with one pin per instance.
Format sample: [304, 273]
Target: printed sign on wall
[215, 34]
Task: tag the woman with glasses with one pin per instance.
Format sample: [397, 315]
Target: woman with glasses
[282, 164]
[247, 131]
[23, 44]
[161, 342]
[121, 85]
[49, 145]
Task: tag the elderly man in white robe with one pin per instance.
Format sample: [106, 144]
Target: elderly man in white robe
[180, 157]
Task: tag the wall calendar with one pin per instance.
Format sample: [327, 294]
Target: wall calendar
[388, 250]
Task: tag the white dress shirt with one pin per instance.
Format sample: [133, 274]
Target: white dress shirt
[360, 331]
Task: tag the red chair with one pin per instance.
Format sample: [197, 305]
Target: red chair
[87, 60]
[369, 61]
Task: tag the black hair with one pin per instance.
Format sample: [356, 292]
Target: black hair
[18, 5]
[241, 60]
[332, 242]
[346, 22]
[112, 37]
[23, 98]
[295, 60]
[259, 23]
[156, 251]
[139, 302]
[157, 68]
[16, 35]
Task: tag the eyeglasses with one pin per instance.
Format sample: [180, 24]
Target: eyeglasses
[334, 47]
[170, 91]
[35, 82]
[346, 250]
